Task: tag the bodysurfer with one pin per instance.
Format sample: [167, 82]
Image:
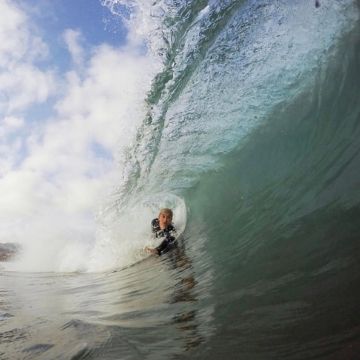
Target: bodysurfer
[163, 227]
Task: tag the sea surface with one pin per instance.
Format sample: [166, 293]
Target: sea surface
[252, 135]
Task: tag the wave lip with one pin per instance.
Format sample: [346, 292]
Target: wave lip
[227, 72]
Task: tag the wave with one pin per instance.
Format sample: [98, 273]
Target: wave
[227, 68]
[238, 109]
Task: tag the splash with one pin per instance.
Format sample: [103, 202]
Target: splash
[73, 161]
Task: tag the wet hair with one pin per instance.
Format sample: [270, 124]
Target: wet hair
[166, 211]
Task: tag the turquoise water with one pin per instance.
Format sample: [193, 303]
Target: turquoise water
[254, 124]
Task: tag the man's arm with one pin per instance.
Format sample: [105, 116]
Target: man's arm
[157, 251]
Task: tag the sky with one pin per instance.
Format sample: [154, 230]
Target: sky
[73, 79]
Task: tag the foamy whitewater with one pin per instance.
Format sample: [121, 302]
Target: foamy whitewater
[242, 116]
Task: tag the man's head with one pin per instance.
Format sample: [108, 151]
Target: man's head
[165, 218]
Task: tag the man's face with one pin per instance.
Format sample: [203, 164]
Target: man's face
[164, 220]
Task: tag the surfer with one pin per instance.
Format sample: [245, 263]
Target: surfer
[163, 227]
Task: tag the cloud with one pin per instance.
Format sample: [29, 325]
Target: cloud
[108, 96]
[10, 124]
[10, 142]
[97, 117]
[73, 39]
[13, 34]
[22, 82]
[24, 86]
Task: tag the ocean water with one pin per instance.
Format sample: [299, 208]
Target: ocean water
[252, 136]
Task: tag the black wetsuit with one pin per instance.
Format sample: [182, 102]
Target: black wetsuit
[168, 235]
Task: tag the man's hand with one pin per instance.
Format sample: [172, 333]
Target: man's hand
[151, 251]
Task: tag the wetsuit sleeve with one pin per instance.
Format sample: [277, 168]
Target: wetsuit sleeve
[164, 244]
